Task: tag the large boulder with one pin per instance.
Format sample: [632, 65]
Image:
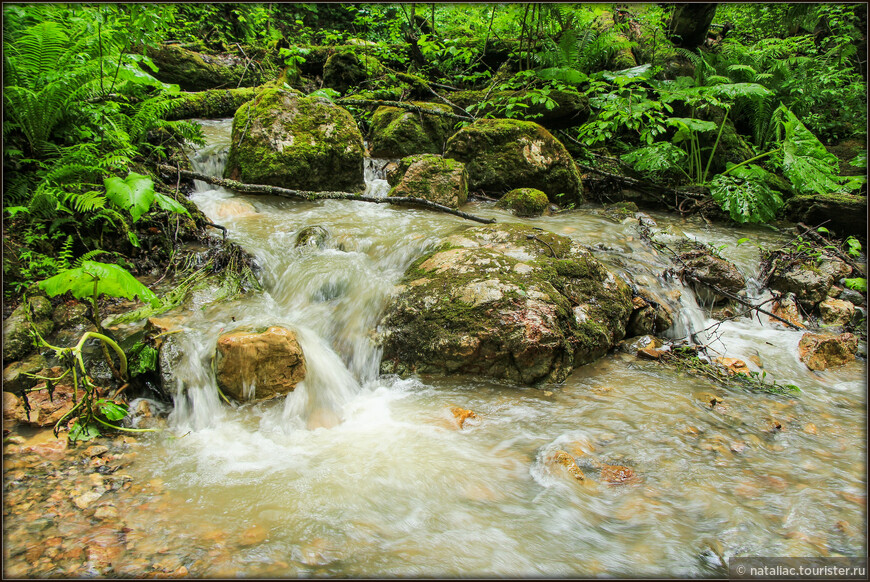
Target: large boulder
[433, 178]
[252, 365]
[282, 138]
[810, 282]
[344, 69]
[503, 154]
[703, 270]
[819, 351]
[396, 133]
[17, 337]
[506, 301]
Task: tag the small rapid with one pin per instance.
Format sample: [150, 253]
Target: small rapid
[358, 474]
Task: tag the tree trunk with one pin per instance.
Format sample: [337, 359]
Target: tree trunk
[689, 24]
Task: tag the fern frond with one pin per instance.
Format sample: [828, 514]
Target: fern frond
[88, 256]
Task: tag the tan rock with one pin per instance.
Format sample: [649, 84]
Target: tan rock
[461, 415]
[787, 309]
[253, 535]
[618, 475]
[733, 366]
[650, 353]
[566, 463]
[836, 311]
[257, 366]
[818, 351]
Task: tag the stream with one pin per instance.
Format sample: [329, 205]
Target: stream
[397, 489]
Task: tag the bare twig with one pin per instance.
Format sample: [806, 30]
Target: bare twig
[402, 105]
[811, 232]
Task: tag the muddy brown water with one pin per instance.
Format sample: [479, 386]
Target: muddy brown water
[397, 488]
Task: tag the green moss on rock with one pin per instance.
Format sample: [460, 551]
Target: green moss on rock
[214, 103]
[396, 133]
[494, 301]
[571, 108]
[199, 72]
[524, 202]
[503, 154]
[282, 138]
[433, 178]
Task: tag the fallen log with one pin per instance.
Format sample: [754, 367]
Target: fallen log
[314, 196]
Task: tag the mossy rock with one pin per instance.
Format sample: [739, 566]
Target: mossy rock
[396, 133]
[843, 214]
[433, 178]
[505, 301]
[211, 104]
[571, 108]
[282, 138]
[17, 338]
[194, 71]
[524, 202]
[345, 69]
[503, 154]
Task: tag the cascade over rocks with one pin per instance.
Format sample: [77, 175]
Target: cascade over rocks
[503, 154]
[396, 133]
[434, 178]
[252, 365]
[710, 270]
[283, 138]
[505, 301]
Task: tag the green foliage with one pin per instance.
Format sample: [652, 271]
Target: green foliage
[92, 279]
[135, 193]
[806, 162]
[857, 284]
[853, 247]
[657, 160]
[746, 198]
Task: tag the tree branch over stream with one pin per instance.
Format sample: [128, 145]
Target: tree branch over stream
[314, 196]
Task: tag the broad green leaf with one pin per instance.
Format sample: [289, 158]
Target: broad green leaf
[735, 90]
[167, 203]
[80, 432]
[749, 200]
[111, 410]
[135, 193]
[806, 162]
[692, 125]
[656, 158]
[110, 280]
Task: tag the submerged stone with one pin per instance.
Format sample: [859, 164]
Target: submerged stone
[282, 138]
[312, 235]
[505, 301]
[252, 365]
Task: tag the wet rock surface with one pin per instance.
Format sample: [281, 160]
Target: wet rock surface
[282, 138]
[505, 301]
[433, 178]
[821, 351]
[809, 283]
[502, 154]
[252, 365]
[524, 202]
[711, 270]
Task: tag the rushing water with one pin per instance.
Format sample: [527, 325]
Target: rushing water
[396, 489]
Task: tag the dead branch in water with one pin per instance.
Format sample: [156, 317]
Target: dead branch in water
[314, 196]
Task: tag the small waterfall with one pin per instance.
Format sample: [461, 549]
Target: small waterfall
[328, 296]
